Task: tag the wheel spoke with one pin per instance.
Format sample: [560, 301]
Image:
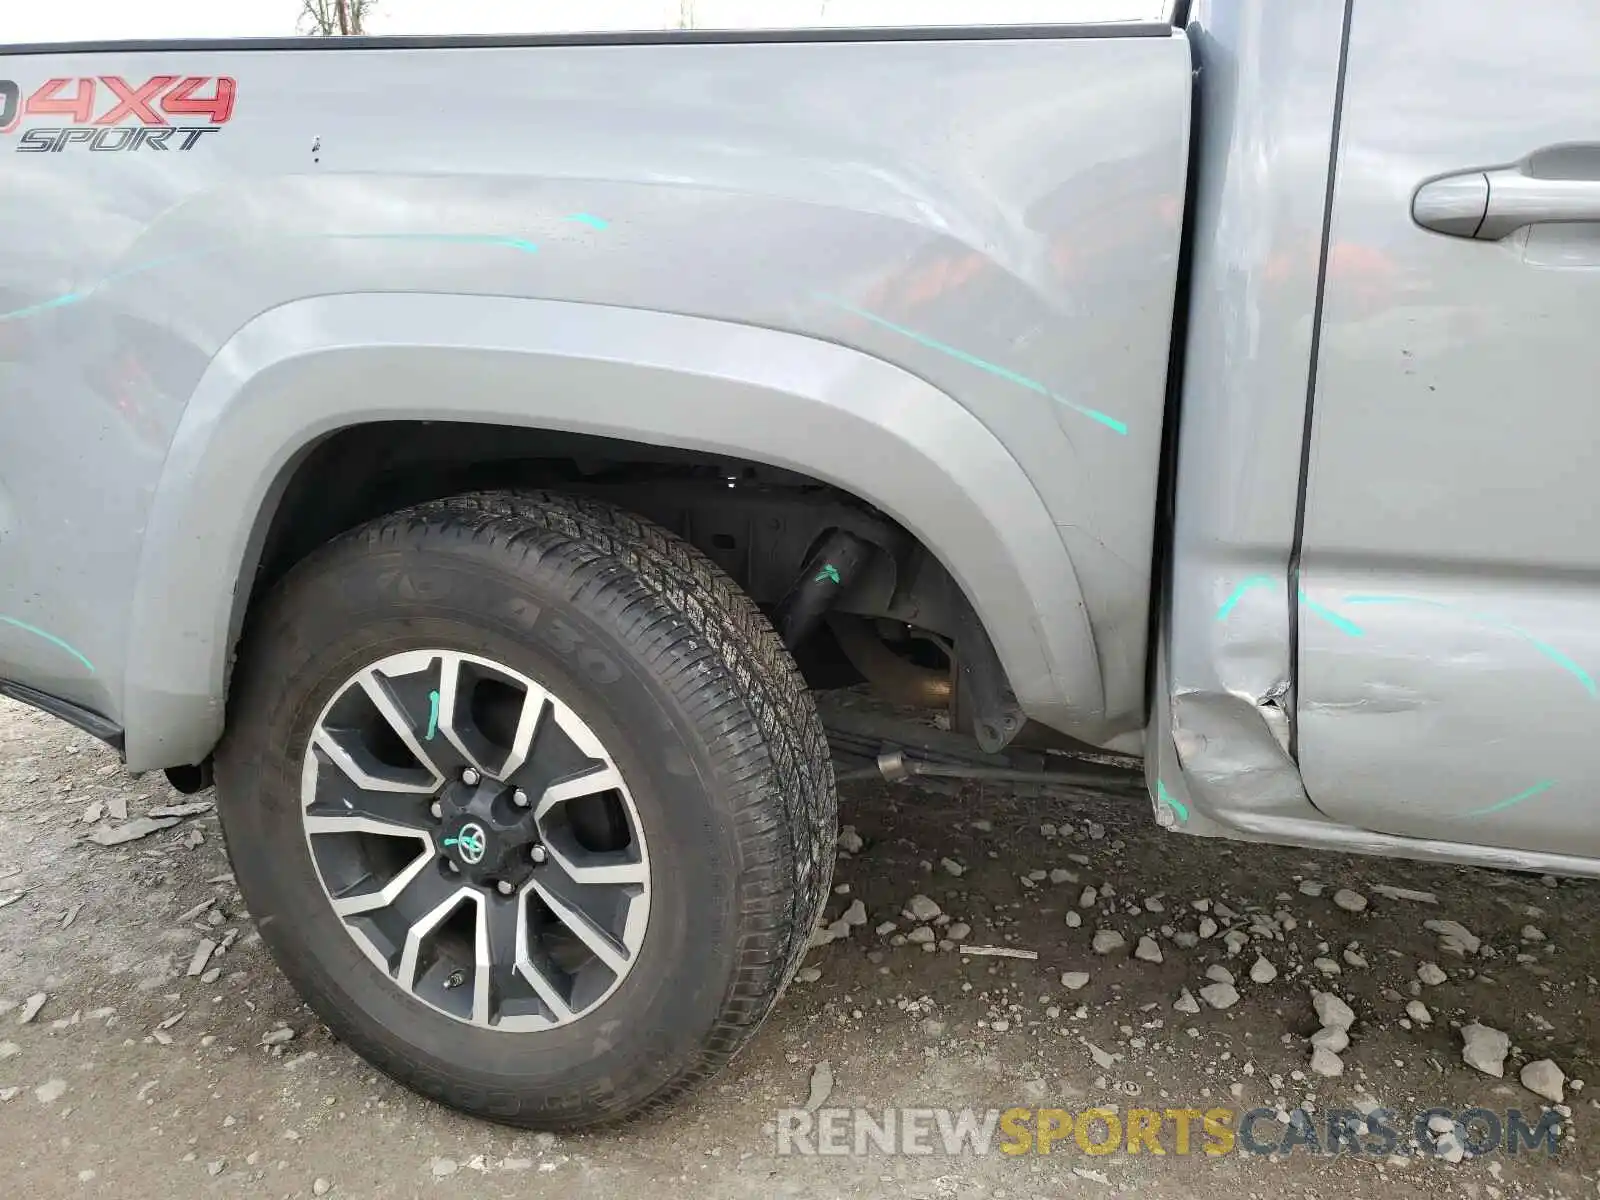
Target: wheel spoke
[363, 772]
[424, 925]
[498, 755]
[419, 874]
[604, 778]
[565, 899]
[597, 868]
[338, 805]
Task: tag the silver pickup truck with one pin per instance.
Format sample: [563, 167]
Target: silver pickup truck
[483, 452]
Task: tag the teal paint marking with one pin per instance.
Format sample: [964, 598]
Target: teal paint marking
[1255, 581]
[828, 572]
[1176, 806]
[972, 360]
[433, 716]
[452, 841]
[1543, 785]
[49, 637]
[1342, 624]
[1539, 644]
[589, 219]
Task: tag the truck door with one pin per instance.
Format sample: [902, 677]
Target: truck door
[1449, 614]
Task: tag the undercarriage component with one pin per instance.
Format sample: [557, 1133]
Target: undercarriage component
[895, 766]
[984, 702]
[893, 678]
[831, 569]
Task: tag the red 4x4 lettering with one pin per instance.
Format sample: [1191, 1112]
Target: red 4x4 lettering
[149, 103]
[135, 103]
[181, 101]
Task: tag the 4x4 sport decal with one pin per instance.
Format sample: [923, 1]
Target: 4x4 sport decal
[110, 114]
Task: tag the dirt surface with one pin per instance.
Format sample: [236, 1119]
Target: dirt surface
[136, 1078]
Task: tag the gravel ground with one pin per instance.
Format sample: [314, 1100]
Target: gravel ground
[169, 1058]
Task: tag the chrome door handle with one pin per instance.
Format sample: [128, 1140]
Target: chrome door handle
[1487, 205]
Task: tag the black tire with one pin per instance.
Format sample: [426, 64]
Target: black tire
[666, 659]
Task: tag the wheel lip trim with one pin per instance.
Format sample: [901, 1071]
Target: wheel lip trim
[549, 706]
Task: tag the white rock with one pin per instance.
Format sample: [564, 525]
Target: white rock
[1088, 898]
[921, 909]
[1544, 1078]
[1261, 971]
[959, 932]
[1418, 1012]
[1326, 1062]
[50, 1091]
[982, 825]
[885, 929]
[1332, 1039]
[1485, 1049]
[821, 1085]
[1449, 1148]
[952, 867]
[321, 1186]
[1147, 950]
[1431, 974]
[1102, 1059]
[850, 841]
[856, 914]
[1219, 995]
[1186, 1003]
[1532, 933]
[1355, 958]
[31, 1007]
[1350, 901]
[444, 1166]
[807, 975]
[1235, 940]
[1332, 1012]
[1389, 891]
[1208, 927]
[1219, 973]
[277, 1037]
[1062, 875]
[920, 935]
[1073, 980]
[1327, 966]
[1106, 941]
[1454, 937]
[1074, 918]
[1310, 887]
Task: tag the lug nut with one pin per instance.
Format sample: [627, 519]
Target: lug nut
[436, 810]
[520, 798]
[470, 777]
[537, 853]
[504, 888]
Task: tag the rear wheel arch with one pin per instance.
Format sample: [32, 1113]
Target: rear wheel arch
[300, 374]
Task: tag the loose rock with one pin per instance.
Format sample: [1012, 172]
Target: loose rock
[1219, 973]
[821, 1085]
[31, 1007]
[1544, 1078]
[1454, 937]
[1326, 1062]
[856, 914]
[1332, 1039]
[1431, 974]
[1073, 980]
[921, 909]
[1333, 1012]
[1485, 1049]
[1418, 1012]
[1261, 971]
[1220, 995]
[131, 831]
[1350, 901]
[1186, 1003]
[1147, 950]
[850, 841]
[1106, 941]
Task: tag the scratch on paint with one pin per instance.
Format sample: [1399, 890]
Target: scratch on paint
[1543, 785]
[972, 360]
[1176, 806]
[49, 637]
[1543, 647]
[589, 219]
[75, 297]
